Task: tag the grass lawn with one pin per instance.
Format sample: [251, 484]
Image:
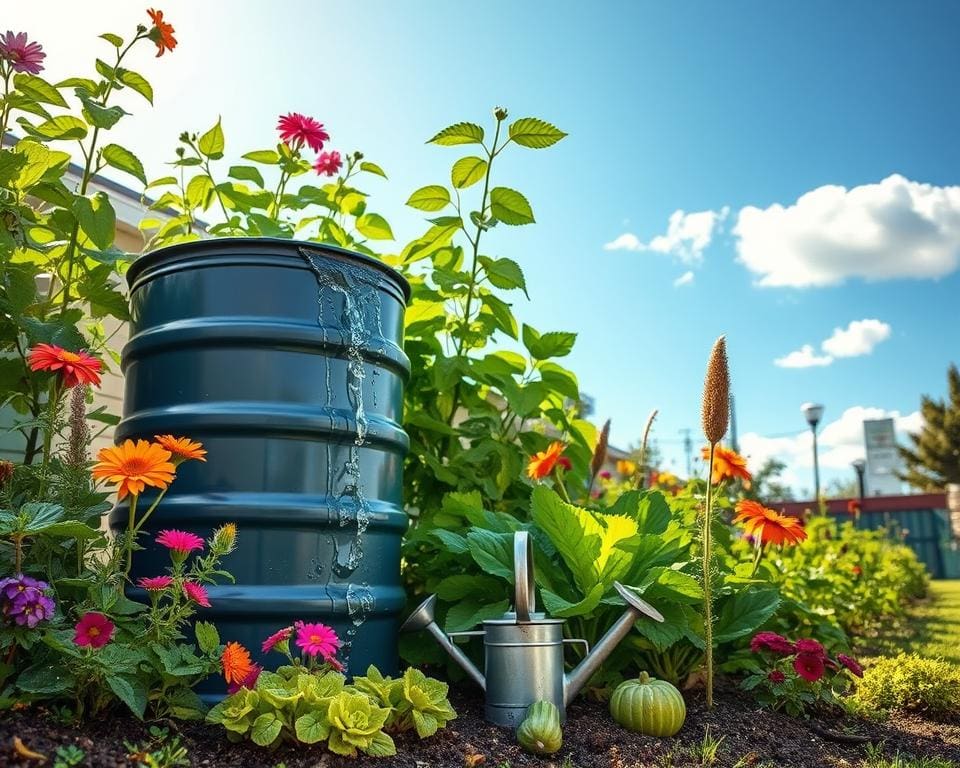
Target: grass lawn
[932, 628]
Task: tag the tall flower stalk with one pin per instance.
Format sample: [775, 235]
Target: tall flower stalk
[715, 417]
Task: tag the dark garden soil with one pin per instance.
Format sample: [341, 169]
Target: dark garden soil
[752, 738]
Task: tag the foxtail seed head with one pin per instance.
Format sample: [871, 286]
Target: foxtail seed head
[716, 394]
[600, 452]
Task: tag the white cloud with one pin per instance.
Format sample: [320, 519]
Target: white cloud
[804, 357]
[839, 442]
[686, 238]
[892, 229]
[685, 279]
[859, 338]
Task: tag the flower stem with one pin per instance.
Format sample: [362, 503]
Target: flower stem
[131, 532]
[707, 586]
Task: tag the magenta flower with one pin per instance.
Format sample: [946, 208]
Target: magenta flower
[248, 682]
[317, 639]
[850, 664]
[776, 676]
[806, 645]
[809, 666]
[197, 593]
[283, 636]
[180, 542]
[155, 583]
[770, 641]
[22, 55]
[94, 629]
[297, 130]
[328, 163]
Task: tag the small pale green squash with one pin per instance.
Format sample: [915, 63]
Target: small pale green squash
[648, 706]
[540, 730]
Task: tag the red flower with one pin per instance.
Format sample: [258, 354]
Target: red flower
[857, 570]
[155, 583]
[806, 645]
[565, 462]
[328, 163]
[197, 593]
[248, 682]
[93, 629]
[161, 33]
[771, 641]
[23, 56]
[75, 367]
[850, 664]
[180, 542]
[809, 666]
[281, 636]
[853, 508]
[297, 130]
[776, 676]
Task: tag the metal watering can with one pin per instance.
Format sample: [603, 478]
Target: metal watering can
[523, 650]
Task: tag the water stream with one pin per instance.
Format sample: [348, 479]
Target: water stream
[361, 322]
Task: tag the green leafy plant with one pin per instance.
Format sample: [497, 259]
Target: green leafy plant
[356, 723]
[908, 682]
[415, 700]
[160, 751]
[68, 756]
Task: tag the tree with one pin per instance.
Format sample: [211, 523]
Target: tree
[934, 458]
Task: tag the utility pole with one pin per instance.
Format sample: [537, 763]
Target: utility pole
[733, 426]
[688, 449]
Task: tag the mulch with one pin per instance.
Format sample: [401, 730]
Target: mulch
[751, 738]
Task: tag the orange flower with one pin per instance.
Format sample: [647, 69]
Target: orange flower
[133, 466]
[543, 463]
[236, 663]
[182, 448]
[626, 468]
[768, 526]
[75, 367]
[727, 464]
[853, 508]
[161, 33]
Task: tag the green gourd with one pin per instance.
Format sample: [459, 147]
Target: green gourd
[540, 730]
[648, 706]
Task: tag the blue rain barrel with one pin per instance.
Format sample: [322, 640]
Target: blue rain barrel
[285, 359]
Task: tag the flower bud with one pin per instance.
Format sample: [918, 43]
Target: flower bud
[224, 539]
[500, 113]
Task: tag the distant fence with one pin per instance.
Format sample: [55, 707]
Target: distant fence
[921, 519]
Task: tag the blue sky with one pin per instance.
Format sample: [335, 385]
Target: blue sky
[671, 106]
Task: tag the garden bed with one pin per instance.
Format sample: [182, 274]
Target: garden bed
[751, 737]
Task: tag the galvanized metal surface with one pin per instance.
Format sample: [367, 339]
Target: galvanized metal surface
[285, 359]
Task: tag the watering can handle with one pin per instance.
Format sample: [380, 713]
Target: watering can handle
[525, 601]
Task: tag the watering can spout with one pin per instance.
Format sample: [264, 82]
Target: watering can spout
[424, 618]
[636, 608]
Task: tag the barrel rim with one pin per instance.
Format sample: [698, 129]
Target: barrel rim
[283, 245]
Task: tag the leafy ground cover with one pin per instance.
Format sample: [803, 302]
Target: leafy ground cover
[931, 629]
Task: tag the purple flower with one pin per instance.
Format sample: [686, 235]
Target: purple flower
[22, 598]
[23, 55]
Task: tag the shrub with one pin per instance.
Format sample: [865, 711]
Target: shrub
[909, 682]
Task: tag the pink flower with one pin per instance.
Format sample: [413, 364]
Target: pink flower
[154, 583]
[770, 641]
[24, 56]
[317, 639]
[297, 130]
[564, 461]
[850, 664]
[197, 593]
[776, 676]
[276, 639]
[806, 645]
[248, 682]
[809, 666]
[328, 163]
[605, 474]
[181, 542]
[93, 629]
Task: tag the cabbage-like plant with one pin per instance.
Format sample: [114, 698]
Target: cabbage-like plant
[356, 723]
[415, 700]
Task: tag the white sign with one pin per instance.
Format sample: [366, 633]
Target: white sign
[883, 458]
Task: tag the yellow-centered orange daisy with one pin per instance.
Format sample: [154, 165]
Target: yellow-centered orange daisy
[727, 465]
[182, 448]
[542, 464]
[236, 663]
[132, 466]
[768, 526]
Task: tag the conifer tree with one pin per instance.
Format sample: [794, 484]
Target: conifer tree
[934, 458]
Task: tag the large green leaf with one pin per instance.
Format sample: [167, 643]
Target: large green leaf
[38, 89]
[467, 614]
[59, 128]
[510, 207]
[504, 273]
[96, 218]
[136, 82]
[372, 168]
[100, 116]
[430, 198]
[467, 171]
[547, 345]
[534, 133]
[587, 542]
[743, 612]
[124, 160]
[131, 691]
[32, 160]
[212, 143]
[459, 133]
[374, 226]
[493, 552]
[648, 508]
[559, 608]
[663, 583]
[266, 729]
[52, 679]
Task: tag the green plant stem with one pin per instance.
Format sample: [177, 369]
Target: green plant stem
[131, 533]
[5, 116]
[707, 585]
[559, 487]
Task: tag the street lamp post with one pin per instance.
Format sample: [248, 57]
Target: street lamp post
[860, 465]
[813, 413]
